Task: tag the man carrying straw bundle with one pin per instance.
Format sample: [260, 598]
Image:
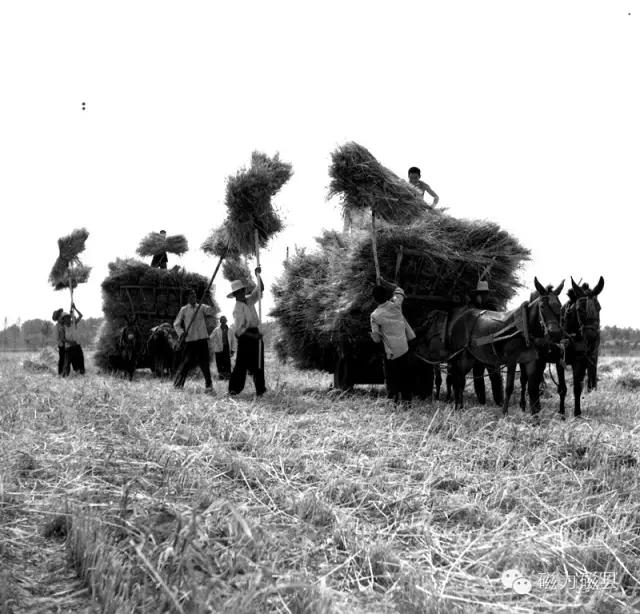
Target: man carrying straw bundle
[73, 355]
[389, 326]
[250, 356]
[59, 333]
[159, 261]
[196, 322]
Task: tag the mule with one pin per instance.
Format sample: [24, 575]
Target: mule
[497, 338]
[163, 350]
[582, 327]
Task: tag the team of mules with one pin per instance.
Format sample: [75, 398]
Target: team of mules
[535, 333]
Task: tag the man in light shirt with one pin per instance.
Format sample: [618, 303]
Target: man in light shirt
[196, 337]
[74, 356]
[389, 326]
[223, 343]
[250, 353]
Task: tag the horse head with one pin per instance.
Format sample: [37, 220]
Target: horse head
[547, 322]
[130, 338]
[586, 322]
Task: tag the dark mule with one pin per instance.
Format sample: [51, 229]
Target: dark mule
[582, 327]
[129, 346]
[495, 378]
[163, 350]
[502, 338]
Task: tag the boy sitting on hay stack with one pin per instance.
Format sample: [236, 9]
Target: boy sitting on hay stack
[389, 325]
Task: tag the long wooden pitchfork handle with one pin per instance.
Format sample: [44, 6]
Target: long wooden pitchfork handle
[257, 241]
[204, 294]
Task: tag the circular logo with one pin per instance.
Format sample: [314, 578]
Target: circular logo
[522, 586]
[509, 577]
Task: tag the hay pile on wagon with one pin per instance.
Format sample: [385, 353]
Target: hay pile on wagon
[133, 288]
[323, 299]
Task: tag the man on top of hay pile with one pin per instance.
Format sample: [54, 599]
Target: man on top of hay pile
[421, 186]
[196, 347]
[159, 261]
[250, 353]
[389, 325]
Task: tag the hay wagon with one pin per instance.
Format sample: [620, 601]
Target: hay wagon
[153, 296]
[350, 366]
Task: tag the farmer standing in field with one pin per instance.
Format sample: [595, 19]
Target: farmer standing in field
[159, 261]
[59, 333]
[193, 329]
[250, 354]
[389, 326]
[223, 343]
[73, 355]
[421, 186]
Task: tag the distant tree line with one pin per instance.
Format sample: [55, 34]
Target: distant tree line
[616, 340]
[32, 335]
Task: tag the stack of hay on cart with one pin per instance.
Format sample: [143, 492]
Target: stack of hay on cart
[323, 299]
[153, 295]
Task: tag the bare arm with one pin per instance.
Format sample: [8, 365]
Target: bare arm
[428, 189]
[77, 311]
[375, 330]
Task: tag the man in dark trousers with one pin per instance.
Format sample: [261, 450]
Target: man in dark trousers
[73, 355]
[196, 340]
[389, 326]
[250, 354]
[481, 300]
[159, 261]
[59, 332]
[223, 343]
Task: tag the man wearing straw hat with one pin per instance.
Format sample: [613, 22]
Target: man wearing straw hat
[194, 321]
[389, 326]
[250, 349]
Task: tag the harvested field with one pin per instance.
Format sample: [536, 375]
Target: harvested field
[123, 497]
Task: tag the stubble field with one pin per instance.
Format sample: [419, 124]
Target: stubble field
[134, 497]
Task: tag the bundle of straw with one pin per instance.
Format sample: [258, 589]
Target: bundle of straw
[72, 245]
[155, 244]
[363, 183]
[219, 243]
[236, 268]
[75, 274]
[68, 271]
[248, 201]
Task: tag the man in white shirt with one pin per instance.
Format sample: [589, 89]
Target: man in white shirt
[389, 326]
[223, 344]
[250, 354]
[74, 357]
[193, 327]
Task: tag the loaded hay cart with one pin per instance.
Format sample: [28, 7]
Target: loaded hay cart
[135, 291]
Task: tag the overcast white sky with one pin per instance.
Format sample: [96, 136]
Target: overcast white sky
[525, 113]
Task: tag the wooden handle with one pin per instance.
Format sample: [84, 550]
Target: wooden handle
[375, 246]
[257, 240]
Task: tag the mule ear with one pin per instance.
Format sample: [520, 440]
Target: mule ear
[576, 288]
[559, 288]
[598, 287]
[542, 291]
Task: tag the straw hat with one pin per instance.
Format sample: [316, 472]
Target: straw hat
[236, 285]
[483, 286]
